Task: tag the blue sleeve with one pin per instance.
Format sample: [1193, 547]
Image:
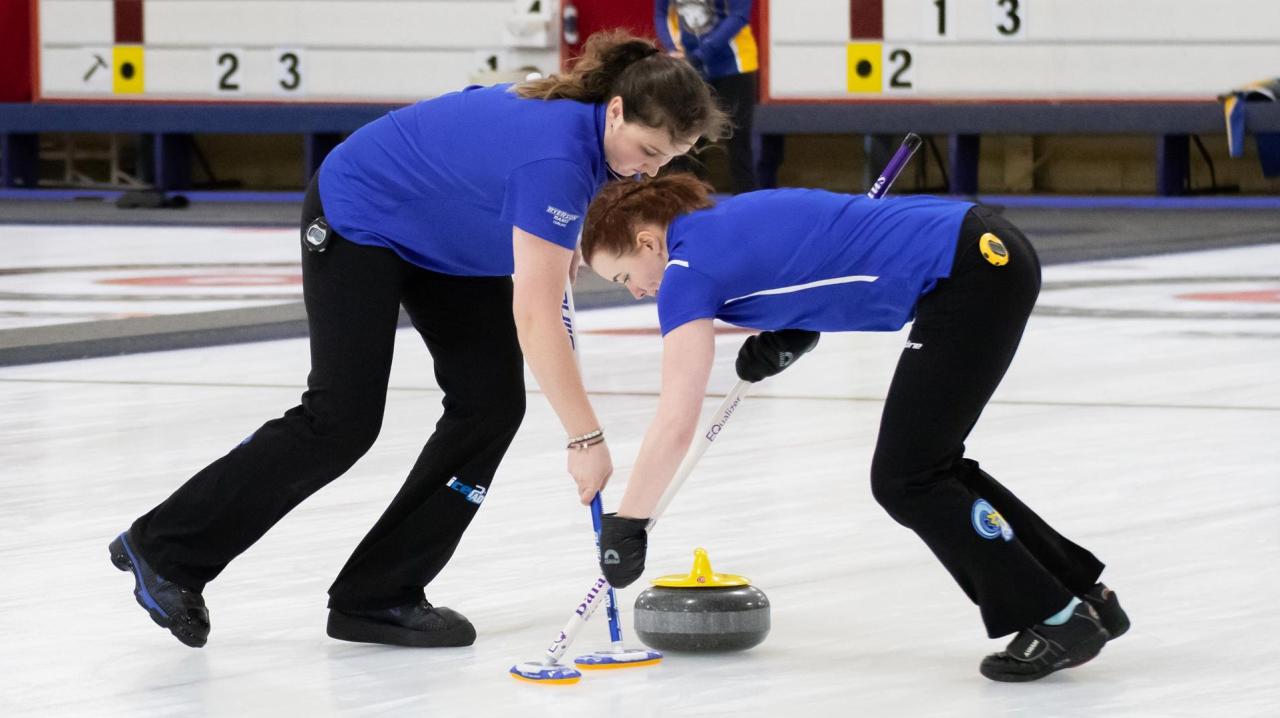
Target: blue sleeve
[685, 295]
[660, 13]
[548, 198]
[737, 16]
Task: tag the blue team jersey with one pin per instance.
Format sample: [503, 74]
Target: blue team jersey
[808, 259]
[442, 182]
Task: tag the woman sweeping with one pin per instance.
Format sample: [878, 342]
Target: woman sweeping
[432, 208]
[799, 262]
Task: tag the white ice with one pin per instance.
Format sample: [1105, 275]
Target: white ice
[1153, 441]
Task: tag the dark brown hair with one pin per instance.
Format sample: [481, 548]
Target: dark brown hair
[619, 209]
[657, 90]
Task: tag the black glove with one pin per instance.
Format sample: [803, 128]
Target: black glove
[623, 542]
[768, 353]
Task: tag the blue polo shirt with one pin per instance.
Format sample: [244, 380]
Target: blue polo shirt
[808, 259]
[442, 182]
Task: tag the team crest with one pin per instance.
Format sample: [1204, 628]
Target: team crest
[989, 523]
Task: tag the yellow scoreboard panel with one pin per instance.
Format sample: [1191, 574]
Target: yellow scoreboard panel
[848, 50]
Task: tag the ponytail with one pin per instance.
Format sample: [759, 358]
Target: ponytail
[619, 209]
[657, 90]
[604, 58]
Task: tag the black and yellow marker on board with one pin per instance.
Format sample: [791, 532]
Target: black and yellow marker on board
[126, 66]
[993, 250]
[864, 61]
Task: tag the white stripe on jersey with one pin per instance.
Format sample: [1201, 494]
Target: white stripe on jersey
[809, 285]
[678, 263]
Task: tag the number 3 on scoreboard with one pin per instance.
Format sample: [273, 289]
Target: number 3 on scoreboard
[1009, 18]
[289, 67]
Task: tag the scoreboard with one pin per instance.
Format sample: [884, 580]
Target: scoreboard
[814, 50]
[286, 50]
[850, 50]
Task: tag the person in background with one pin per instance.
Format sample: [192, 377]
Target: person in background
[715, 37]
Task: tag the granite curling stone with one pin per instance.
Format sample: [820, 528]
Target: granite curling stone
[702, 611]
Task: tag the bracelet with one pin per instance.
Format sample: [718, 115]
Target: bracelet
[581, 441]
[585, 444]
[586, 436]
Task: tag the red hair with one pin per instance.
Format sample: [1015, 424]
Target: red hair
[619, 209]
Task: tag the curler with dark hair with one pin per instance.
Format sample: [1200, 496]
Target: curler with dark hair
[657, 90]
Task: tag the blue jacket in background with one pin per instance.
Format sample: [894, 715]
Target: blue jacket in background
[715, 35]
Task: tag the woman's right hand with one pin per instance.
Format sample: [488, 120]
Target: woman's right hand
[590, 468]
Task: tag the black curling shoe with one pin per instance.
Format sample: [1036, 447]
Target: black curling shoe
[171, 606]
[1105, 602]
[420, 625]
[1040, 650]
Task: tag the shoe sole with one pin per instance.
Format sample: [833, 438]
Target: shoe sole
[357, 630]
[122, 559]
[1081, 655]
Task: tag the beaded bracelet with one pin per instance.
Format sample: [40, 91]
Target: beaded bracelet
[582, 442]
[586, 444]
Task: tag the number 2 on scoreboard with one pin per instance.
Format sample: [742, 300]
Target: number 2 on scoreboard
[226, 70]
[899, 74]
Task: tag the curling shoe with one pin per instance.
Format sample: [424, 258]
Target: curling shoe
[1040, 650]
[419, 625]
[171, 606]
[1105, 602]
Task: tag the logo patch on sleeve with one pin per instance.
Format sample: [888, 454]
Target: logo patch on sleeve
[560, 217]
[988, 522]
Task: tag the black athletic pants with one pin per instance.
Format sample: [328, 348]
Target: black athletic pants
[353, 296]
[965, 334]
[737, 95]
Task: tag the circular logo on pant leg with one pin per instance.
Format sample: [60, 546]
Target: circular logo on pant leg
[988, 522]
[993, 250]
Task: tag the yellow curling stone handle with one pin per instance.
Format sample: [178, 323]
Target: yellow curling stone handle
[701, 576]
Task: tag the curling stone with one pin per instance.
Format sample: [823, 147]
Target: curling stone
[702, 611]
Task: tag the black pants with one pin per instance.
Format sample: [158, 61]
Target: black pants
[965, 334]
[737, 95]
[353, 296]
